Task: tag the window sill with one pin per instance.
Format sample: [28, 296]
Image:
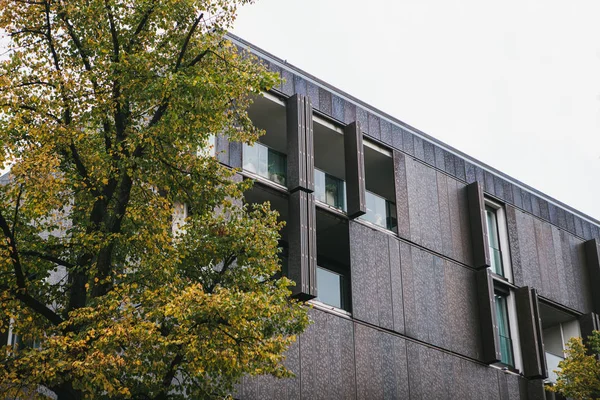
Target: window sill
[375, 226]
[264, 181]
[322, 306]
[327, 207]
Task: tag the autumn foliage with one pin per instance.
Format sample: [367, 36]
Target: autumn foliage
[104, 105]
[579, 373]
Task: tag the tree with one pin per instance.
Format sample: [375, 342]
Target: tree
[579, 373]
[105, 104]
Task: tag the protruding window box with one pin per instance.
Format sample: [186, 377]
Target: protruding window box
[380, 212]
[265, 162]
[330, 190]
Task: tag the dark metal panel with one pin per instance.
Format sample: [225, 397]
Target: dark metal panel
[302, 244]
[479, 236]
[296, 143]
[355, 170]
[487, 315]
[592, 256]
[530, 333]
[310, 145]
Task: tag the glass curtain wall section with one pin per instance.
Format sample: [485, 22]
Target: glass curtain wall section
[380, 212]
[494, 241]
[330, 190]
[506, 347]
[265, 162]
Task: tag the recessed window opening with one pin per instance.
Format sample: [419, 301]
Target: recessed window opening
[381, 194]
[267, 157]
[333, 261]
[558, 327]
[330, 174]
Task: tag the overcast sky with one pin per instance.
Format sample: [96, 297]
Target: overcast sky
[513, 83]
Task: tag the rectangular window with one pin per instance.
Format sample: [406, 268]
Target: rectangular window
[380, 211]
[330, 190]
[506, 347]
[558, 327]
[330, 288]
[494, 241]
[265, 162]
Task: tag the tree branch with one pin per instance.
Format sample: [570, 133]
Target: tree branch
[140, 27]
[187, 41]
[48, 257]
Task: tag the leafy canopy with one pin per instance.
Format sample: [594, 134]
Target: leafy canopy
[579, 373]
[104, 104]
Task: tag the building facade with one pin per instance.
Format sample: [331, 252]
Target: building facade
[430, 274]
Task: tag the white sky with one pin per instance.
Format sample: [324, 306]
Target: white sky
[513, 83]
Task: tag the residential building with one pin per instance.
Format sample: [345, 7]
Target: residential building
[431, 275]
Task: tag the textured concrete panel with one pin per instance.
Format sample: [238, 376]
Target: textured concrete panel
[508, 192]
[361, 116]
[535, 206]
[402, 201]
[300, 85]
[570, 222]
[499, 187]
[459, 165]
[397, 137]
[324, 101]
[408, 292]
[439, 158]
[408, 142]
[429, 208]
[396, 281]
[363, 275]
[369, 380]
[488, 182]
[544, 212]
[386, 132]
[412, 183]
[513, 240]
[517, 197]
[337, 108]
[449, 163]
[313, 93]
[374, 128]
[349, 112]
[445, 229]
[428, 153]
[470, 172]
[419, 151]
[526, 196]
[379, 251]
[287, 86]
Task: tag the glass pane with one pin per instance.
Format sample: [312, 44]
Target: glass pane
[265, 162]
[504, 330]
[391, 220]
[320, 185]
[277, 167]
[334, 192]
[493, 241]
[329, 287]
[376, 210]
[552, 363]
[250, 156]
